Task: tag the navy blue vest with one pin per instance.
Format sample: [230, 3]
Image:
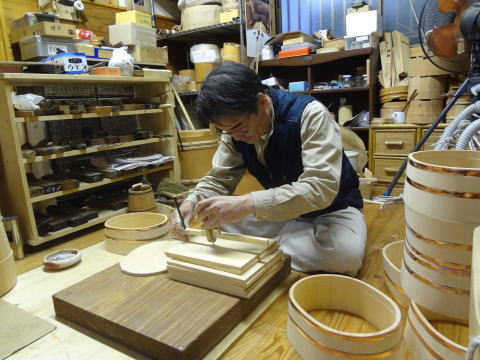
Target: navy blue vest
[283, 154]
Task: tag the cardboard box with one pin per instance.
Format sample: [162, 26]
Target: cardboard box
[87, 49]
[226, 16]
[419, 65]
[132, 34]
[134, 16]
[151, 54]
[202, 69]
[198, 16]
[142, 5]
[44, 29]
[364, 23]
[296, 37]
[73, 63]
[360, 9]
[42, 46]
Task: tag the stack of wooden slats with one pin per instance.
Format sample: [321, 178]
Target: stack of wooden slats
[237, 267]
[395, 57]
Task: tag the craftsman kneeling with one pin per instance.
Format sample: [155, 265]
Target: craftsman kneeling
[292, 146]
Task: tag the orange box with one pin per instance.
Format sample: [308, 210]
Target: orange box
[106, 71]
[296, 52]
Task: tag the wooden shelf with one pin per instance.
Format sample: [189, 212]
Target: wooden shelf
[86, 186]
[103, 215]
[42, 79]
[91, 115]
[315, 59]
[90, 150]
[202, 33]
[343, 90]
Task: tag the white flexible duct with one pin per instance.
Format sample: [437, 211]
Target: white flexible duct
[467, 135]
[449, 131]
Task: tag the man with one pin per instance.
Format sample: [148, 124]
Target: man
[292, 146]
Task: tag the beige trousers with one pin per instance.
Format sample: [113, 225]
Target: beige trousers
[333, 242]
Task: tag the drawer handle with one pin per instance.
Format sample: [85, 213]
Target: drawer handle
[394, 143]
[390, 170]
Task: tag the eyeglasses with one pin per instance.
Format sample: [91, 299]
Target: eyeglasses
[234, 132]
[242, 131]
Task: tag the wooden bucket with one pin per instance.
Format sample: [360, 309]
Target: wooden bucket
[424, 111]
[126, 232]
[444, 185]
[8, 273]
[454, 277]
[451, 301]
[474, 324]
[392, 261]
[443, 241]
[427, 343]
[314, 340]
[5, 248]
[140, 198]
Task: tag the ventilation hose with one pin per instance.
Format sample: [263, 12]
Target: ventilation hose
[467, 135]
[450, 130]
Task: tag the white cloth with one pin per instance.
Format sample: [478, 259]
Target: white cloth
[334, 242]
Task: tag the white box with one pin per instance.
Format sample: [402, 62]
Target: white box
[360, 42]
[132, 34]
[364, 23]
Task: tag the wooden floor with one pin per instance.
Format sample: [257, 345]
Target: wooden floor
[267, 339]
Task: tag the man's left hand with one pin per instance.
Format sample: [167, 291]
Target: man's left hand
[222, 210]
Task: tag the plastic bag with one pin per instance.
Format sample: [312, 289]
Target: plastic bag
[204, 53]
[26, 102]
[123, 60]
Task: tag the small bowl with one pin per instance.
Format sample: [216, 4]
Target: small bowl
[62, 259]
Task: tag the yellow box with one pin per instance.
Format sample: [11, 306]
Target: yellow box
[45, 29]
[151, 54]
[87, 49]
[133, 16]
[227, 16]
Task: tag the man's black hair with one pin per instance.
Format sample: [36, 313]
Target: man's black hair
[229, 90]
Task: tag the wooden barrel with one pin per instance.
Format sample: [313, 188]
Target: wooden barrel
[126, 232]
[8, 274]
[140, 198]
[392, 260]
[425, 342]
[314, 340]
[444, 185]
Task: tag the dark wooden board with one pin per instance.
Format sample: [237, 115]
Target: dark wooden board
[156, 316]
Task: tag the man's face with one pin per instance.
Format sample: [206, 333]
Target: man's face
[250, 128]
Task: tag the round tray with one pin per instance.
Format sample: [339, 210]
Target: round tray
[62, 259]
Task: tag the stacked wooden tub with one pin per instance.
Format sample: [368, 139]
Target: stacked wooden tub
[442, 208]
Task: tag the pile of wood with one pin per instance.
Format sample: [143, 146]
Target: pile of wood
[395, 58]
[235, 264]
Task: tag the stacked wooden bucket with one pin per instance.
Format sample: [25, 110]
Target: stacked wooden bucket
[126, 232]
[442, 208]
[8, 275]
[314, 340]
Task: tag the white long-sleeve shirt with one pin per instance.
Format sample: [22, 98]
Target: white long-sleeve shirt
[316, 187]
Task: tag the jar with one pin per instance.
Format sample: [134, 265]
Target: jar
[347, 81]
[364, 80]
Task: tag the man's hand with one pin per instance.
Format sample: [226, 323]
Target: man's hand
[222, 210]
[178, 232]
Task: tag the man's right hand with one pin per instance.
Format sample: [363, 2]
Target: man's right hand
[178, 232]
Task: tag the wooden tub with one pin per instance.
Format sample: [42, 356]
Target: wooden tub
[392, 260]
[126, 232]
[314, 340]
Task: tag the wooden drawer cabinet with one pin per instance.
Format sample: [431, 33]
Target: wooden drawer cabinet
[432, 139]
[394, 141]
[386, 167]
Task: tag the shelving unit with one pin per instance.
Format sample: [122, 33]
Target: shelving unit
[14, 167]
[326, 67]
